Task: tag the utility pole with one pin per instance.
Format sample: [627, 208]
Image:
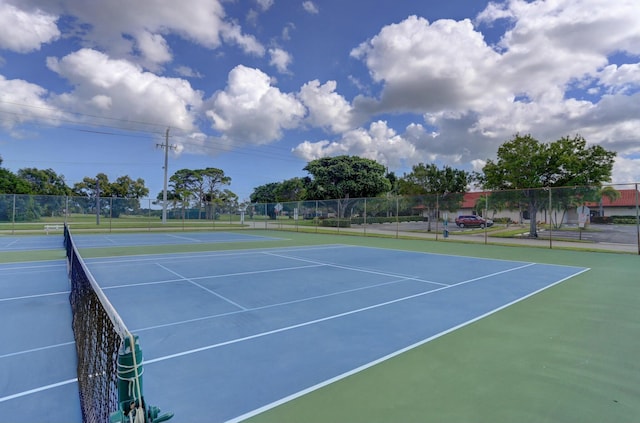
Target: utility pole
[166, 169]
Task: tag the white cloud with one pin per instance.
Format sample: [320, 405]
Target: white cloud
[327, 109]
[101, 101]
[626, 170]
[26, 30]
[476, 96]
[110, 26]
[232, 33]
[24, 102]
[494, 12]
[560, 68]
[581, 27]
[310, 7]
[251, 111]
[286, 31]
[620, 79]
[379, 143]
[124, 90]
[187, 72]
[280, 59]
[265, 4]
[153, 48]
[430, 67]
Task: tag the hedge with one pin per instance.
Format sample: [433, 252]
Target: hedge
[619, 220]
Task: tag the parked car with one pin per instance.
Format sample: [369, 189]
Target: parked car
[473, 221]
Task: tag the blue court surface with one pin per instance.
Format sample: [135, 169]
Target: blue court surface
[228, 334]
[37, 351]
[50, 242]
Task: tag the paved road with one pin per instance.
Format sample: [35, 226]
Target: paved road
[623, 238]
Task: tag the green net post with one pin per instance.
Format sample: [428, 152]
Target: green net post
[130, 395]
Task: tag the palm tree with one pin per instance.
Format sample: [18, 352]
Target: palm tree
[611, 193]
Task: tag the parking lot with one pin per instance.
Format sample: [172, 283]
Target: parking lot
[615, 234]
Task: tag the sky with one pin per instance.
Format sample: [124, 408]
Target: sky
[258, 88]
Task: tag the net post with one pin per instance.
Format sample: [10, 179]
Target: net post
[109, 356]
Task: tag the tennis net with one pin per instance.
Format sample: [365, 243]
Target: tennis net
[100, 336]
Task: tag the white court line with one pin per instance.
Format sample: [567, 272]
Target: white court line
[335, 316]
[184, 237]
[111, 240]
[24, 297]
[36, 390]
[336, 378]
[301, 300]
[389, 356]
[225, 275]
[190, 256]
[222, 297]
[48, 347]
[15, 241]
[356, 269]
[42, 266]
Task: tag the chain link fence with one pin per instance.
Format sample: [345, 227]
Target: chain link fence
[583, 217]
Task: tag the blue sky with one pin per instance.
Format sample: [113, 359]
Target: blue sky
[258, 88]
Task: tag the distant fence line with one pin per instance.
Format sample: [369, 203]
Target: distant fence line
[568, 210]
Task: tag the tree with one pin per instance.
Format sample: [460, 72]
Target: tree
[89, 186]
[294, 189]
[443, 189]
[213, 179]
[523, 163]
[203, 186]
[15, 208]
[483, 203]
[227, 200]
[12, 184]
[125, 195]
[266, 194]
[344, 178]
[607, 192]
[120, 196]
[44, 182]
[182, 184]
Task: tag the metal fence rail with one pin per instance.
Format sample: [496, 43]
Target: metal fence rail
[604, 218]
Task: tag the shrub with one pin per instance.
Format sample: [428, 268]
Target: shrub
[336, 223]
[384, 219]
[601, 219]
[624, 220]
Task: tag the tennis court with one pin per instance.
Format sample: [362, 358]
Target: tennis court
[232, 334]
[37, 352]
[29, 243]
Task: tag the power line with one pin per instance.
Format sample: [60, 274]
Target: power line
[67, 112]
[264, 151]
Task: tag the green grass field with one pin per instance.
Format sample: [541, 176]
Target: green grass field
[89, 223]
[567, 354]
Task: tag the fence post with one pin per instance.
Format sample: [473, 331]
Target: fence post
[110, 213]
[637, 219]
[437, 212]
[397, 218]
[550, 222]
[13, 216]
[486, 218]
[364, 221]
